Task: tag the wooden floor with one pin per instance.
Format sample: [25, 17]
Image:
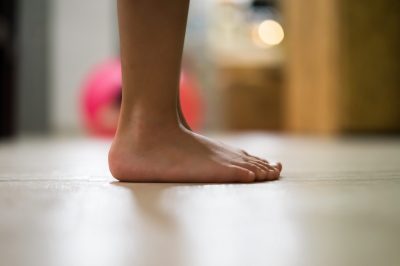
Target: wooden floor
[338, 203]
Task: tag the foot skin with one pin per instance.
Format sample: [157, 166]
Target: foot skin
[176, 154]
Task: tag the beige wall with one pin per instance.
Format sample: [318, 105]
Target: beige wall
[82, 33]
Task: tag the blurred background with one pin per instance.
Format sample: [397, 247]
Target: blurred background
[316, 67]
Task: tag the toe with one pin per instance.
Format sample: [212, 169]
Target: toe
[259, 159]
[277, 165]
[260, 173]
[261, 165]
[272, 165]
[273, 171]
[240, 174]
[263, 169]
[274, 174]
[265, 165]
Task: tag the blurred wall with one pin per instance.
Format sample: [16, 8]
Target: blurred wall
[32, 66]
[197, 59]
[82, 33]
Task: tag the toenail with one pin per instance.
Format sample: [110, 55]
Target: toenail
[275, 165]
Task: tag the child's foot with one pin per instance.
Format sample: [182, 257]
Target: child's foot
[176, 154]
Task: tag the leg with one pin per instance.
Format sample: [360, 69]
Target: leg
[151, 144]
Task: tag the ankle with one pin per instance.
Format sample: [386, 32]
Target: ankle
[146, 120]
[139, 133]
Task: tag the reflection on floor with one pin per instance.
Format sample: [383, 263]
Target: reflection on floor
[338, 203]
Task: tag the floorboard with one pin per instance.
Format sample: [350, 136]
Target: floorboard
[338, 203]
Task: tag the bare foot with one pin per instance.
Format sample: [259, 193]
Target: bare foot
[175, 154]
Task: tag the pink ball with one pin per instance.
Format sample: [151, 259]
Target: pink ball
[101, 94]
[191, 101]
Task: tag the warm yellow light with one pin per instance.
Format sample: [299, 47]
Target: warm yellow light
[270, 32]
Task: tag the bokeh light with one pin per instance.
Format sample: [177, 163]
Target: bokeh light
[270, 32]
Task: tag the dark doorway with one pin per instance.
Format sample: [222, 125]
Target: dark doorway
[7, 68]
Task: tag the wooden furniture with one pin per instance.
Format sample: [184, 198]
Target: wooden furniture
[342, 66]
